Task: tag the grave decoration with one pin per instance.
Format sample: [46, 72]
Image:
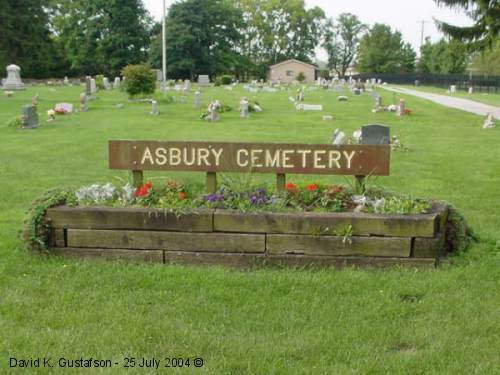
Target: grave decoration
[293, 224]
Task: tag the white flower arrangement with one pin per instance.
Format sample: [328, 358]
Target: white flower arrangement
[105, 193]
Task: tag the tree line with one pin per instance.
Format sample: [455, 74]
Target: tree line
[241, 37]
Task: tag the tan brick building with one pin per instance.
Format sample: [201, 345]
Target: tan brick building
[287, 71]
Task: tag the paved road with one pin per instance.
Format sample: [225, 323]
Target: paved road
[452, 102]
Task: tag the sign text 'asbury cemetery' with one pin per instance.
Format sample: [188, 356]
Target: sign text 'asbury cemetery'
[250, 157]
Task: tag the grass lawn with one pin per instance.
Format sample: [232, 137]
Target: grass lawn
[491, 98]
[279, 321]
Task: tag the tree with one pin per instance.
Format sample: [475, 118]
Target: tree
[342, 42]
[485, 14]
[201, 38]
[443, 57]
[384, 51]
[102, 36]
[488, 62]
[25, 38]
[277, 30]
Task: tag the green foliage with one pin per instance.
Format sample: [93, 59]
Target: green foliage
[226, 79]
[275, 31]
[443, 57]
[36, 228]
[16, 122]
[488, 62]
[459, 235]
[404, 206]
[201, 38]
[25, 39]
[485, 31]
[342, 42]
[140, 79]
[301, 77]
[99, 81]
[383, 51]
[101, 36]
[218, 81]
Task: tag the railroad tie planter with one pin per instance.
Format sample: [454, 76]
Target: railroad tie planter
[224, 237]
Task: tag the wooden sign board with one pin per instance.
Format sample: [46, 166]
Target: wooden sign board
[356, 160]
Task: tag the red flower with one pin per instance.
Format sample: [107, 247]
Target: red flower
[312, 187]
[182, 195]
[291, 186]
[143, 191]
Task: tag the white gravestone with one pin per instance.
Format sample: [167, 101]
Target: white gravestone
[117, 83]
[244, 113]
[93, 86]
[155, 111]
[204, 81]
[401, 110]
[13, 81]
[197, 99]
[339, 138]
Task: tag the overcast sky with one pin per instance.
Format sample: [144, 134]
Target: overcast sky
[403, 15]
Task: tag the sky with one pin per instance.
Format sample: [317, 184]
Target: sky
[405, 16]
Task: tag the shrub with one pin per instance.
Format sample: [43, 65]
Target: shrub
[140, 79]
[301, 77]
[218, 81]
[226, 79]
[99, 81]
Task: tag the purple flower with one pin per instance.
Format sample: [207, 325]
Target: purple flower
[254, 199]
[212, 198]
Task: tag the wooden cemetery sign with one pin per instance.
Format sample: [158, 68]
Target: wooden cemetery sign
[280, 159]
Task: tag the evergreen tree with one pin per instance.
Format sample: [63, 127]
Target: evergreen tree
[486, 17]
[443, 57]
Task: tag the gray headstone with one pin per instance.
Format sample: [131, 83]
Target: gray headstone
[203, 80]
[197, 99]
[29, 117]
[13, 81]
[375, 135]
[83, 102]
[88, 86]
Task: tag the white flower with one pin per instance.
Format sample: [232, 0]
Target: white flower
[128, 193]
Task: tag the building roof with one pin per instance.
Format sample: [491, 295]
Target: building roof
[295, 61]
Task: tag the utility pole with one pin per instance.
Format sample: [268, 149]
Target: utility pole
[422, 29]
[164, 48]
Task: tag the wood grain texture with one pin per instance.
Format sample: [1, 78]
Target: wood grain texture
[149, 256]
[129, 218]
[326, 223]
[174, 241]
[337, 246]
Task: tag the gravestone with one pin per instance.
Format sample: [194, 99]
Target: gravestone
[197, 99]
[471, 90]
[453, 89]
[213, 111]
[417, 83]
[300, 95]
[339, 138]
[203, 80]
[187, 85]
[375, 135]
[35, 100]
[378, 103]
[309, 107]
[13, 81]
[83, 102]
[117, 83]
[244, 113]
[106, 84]
[155, 111]
[401, 110]
[88, 86]
[342, 98]
[93, 86]
[29, 117]
[357, 91]
[66, 81]
[489, 122]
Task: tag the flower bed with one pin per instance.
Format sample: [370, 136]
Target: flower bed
[311, 224]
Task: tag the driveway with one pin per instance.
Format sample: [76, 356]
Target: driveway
[452, 102]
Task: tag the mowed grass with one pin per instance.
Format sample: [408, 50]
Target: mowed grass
[490, 98]
[263, 321]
